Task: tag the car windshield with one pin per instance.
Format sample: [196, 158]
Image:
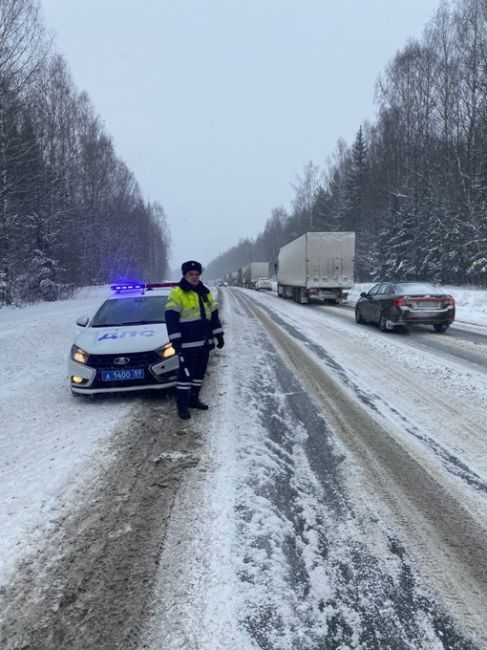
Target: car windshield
[417, 289]
[133, 310]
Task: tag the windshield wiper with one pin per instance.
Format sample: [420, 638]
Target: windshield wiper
[142, 322]
[127, 324]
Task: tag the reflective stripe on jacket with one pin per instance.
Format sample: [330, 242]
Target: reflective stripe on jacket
[192, 316]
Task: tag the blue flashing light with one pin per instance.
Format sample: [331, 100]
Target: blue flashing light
[127, 286]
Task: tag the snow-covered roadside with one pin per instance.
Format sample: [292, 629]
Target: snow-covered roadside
[48, 438]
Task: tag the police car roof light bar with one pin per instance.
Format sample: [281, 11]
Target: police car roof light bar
[158, 285]
[127, 286]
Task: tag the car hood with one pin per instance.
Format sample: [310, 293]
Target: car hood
[123, 339]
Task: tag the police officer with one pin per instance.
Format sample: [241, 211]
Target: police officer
[193, 325]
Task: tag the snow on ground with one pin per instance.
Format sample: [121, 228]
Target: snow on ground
[452, 381]
[48, 439]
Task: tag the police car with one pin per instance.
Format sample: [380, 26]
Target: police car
[125, 346]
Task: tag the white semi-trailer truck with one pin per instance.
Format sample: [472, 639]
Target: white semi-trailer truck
[253, 271]
[317, 265]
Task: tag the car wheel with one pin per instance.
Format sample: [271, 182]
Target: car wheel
[383, 322]
[441, 327]
[358, 317]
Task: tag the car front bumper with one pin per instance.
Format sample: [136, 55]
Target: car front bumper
[157, 376]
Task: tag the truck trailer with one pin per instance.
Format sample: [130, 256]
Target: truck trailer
[317, 265]
[253, 271]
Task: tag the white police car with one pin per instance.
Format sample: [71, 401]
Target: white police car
[125, 346]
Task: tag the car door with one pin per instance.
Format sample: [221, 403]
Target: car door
[367, 304]
[381, 300]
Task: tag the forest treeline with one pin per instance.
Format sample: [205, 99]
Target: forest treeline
[71, 212]
[413, 185]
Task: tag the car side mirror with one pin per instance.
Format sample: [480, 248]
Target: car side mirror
[82, 321]
[363, 294]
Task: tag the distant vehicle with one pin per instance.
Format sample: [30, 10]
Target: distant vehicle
[252, 272]
[317, 265]
[263, 284]
[125, 346]
[396, 304]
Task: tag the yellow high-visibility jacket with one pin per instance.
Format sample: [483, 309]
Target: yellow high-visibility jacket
[192, 316]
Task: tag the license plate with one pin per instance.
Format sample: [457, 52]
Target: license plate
[121, 375]
[427, 304]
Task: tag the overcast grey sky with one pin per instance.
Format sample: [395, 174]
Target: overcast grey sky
[217, 105]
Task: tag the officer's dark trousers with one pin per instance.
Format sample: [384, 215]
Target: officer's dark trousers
[192, 368]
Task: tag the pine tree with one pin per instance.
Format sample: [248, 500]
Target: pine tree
[355, 209]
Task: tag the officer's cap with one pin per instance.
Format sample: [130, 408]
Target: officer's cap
[191, 266]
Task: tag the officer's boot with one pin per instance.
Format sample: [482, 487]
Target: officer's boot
[195, 401]
[182, 402]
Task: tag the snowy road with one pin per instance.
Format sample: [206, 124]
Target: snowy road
[334, 496]
[442, 521]
[360, 500]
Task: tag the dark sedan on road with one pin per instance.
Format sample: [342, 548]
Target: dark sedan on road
[399, 304]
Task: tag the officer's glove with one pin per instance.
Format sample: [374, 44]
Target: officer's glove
[220, 340]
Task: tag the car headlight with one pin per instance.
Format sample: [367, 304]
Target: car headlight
[166, 351]
[79, 355]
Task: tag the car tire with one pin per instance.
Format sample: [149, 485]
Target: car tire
[441, 327]
[358, 317]
[383, 322]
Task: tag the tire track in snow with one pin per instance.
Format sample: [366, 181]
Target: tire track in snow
[326, 541]
[89, 586]
[451, 462]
